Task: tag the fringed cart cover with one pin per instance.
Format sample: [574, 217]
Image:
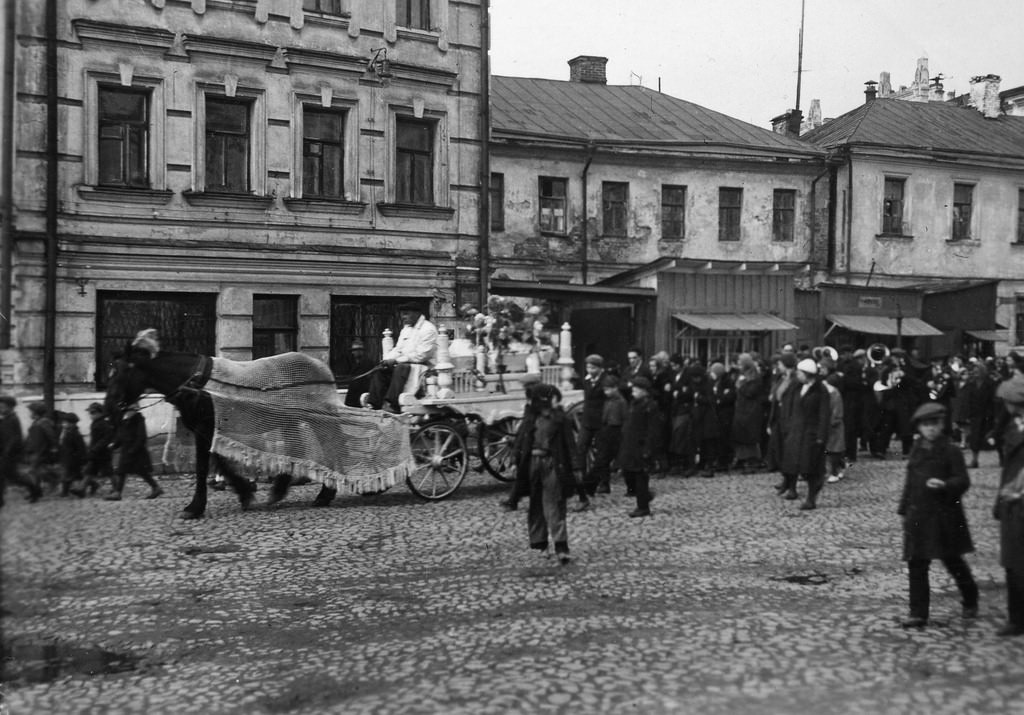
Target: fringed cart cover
[282, 415]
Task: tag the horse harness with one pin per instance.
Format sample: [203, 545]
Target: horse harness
[192, 386]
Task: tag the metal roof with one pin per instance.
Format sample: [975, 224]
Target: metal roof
[932, 126]
[882, 325]
[588, 112]
[734, 322]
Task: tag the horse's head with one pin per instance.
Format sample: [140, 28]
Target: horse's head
[128, 376]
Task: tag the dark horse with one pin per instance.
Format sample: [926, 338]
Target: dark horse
[180, 378]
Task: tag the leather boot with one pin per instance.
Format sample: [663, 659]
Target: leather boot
[155, 489]
[116, 486]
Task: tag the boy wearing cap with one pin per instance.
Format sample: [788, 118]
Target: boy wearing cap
[72, 455]
[11, 448]
[544, 450]
[613, 416]
[640, 435]
[41, 446]
[934, 524]
[100, 461]
[590, 423]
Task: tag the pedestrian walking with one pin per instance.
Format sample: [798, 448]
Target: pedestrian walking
[636, 367]
[606, 445]
[835, 445]
[748, 415]
[977, 402]
[804, 419]
[934, 523]
[99, 463]
[544, 471]
[73, 454]
[589, 425]
[640, 443]
[12, 445]
[131, 441]
[1009, 506]
[41, 450]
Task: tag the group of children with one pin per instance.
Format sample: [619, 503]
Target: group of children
[53, 452]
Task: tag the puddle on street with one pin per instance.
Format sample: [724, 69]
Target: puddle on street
[33, 663]
[810, 579]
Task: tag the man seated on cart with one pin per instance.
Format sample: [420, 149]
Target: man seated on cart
[416, 345]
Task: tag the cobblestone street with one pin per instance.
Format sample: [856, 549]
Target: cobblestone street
[728, 600]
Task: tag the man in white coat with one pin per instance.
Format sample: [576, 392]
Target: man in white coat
[416, 345]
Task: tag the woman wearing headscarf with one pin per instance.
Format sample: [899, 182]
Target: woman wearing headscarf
[748, 415]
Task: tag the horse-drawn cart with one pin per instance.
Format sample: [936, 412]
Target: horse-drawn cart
[463, 407]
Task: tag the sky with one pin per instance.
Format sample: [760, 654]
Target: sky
[740, 56]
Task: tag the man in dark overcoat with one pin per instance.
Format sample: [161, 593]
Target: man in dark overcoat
[1009, 506]
[640, 435]
[41, 456]
[705, 431]
[934, 524]
[805, 415]
[748, 415]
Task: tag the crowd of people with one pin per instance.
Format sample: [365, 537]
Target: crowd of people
[52, 454]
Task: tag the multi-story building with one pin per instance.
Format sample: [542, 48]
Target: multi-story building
[928, 200]
[623, 187]
[246, 176]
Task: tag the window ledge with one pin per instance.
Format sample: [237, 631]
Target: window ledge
[337, 206]
[964, 241]
[556, 234]
[415, 211]
[412, 33]
[894, 237]
[120, 195]
[326, 18]
[217, 199]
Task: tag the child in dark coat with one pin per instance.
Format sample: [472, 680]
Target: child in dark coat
[73, 454]
[613, 415]
[544, 457]
[934, 524]
[640, 436]
[131, 440]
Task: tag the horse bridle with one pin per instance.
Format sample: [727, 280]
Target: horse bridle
[193, 383]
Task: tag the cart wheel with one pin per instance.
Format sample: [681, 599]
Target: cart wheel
[441, 461]
[495, 442]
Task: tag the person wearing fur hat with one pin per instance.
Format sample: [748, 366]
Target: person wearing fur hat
[934, 524]
[640, 435]
[543, 450]
[804, 421]
[589, 424]
[1009, 505]
[11, 448]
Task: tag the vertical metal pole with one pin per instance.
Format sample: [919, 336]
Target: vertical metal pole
[485, 151]
[7, 176]
[800, 57]
[50, 307]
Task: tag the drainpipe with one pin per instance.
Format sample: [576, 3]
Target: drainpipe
[485, 150]
[7, 178]
[50, 307]
[585, 233]
[814, 211]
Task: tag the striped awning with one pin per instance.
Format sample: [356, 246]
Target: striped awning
[884, 325]
[734, 322]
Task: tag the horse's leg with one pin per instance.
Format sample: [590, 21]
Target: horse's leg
[243, 487]
[279, 490]
[197, 507]
[325, 497]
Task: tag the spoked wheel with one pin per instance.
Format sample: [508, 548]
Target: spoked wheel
[496, 442]
[441, 461]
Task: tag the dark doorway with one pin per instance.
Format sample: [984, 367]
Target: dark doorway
[605, 331]
[363, 318]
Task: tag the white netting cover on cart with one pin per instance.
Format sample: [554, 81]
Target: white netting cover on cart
[282, 415]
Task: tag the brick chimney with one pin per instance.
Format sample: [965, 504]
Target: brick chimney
[870, 92]
[985, 95]
[588, 68]
[788, 124]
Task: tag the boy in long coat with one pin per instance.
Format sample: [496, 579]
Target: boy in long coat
[640, 436]
[934, 524]
[544, 458]
[100, 463]
[41, 455]
[72, 455]
[589, 425]
[804, 419]
[1009, 506]
[131, 440]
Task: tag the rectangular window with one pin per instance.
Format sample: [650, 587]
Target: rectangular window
[1020, 321]
[730, 204]
[673, 211]
[275, 325]
[227, 145]
[783, 214]
[185, 322]
[892, 207]
[497, 202]
[413, 13]
[552, 204]
[328, 7]
[323, 153]
[1020, 217]
[614, 200]
[123, 137]
[414, 151]
[963, 199]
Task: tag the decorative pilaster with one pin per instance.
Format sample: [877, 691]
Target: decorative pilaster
[444, 365]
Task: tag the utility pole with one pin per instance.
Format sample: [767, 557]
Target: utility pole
[800, 57]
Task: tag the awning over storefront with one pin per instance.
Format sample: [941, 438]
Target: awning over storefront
[734, 322]
[994, 336]
[883, 325]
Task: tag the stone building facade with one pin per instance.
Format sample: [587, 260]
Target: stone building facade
[247, 176]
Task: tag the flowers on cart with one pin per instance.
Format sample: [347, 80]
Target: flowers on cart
[506, 328]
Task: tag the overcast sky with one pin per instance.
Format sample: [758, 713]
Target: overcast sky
[740, 56]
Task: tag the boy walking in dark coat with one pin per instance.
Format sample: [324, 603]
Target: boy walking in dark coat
[100, 462]
[41, 446]
[589, 425]
[131, 439]
[544, 456]
[72, 455]
[11, 447]
[613, 416]
[640, 435]
[934, 524]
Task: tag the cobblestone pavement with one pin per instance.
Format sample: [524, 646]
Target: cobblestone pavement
[728, 600]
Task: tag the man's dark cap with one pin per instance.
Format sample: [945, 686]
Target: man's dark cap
[929, 411]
